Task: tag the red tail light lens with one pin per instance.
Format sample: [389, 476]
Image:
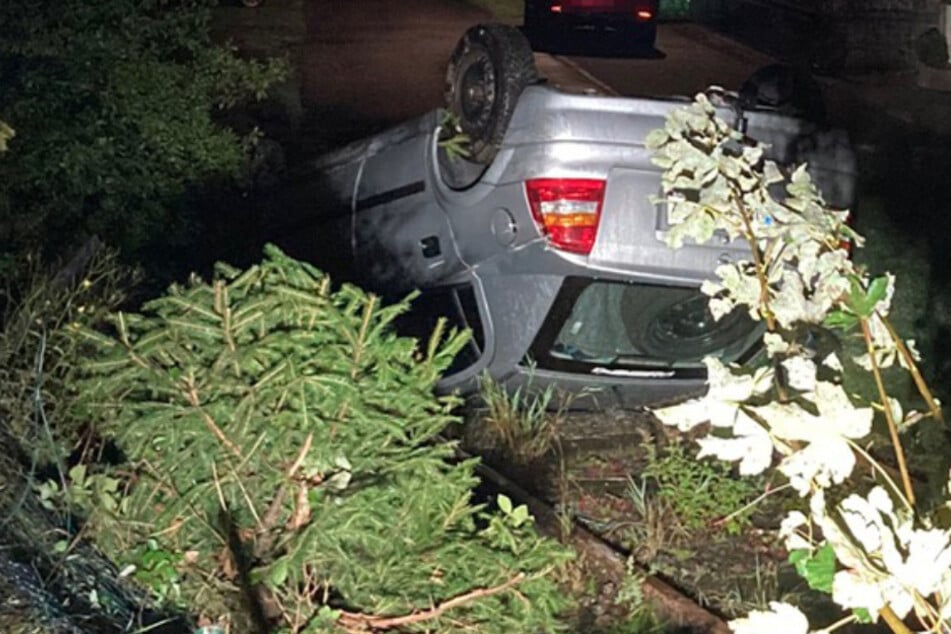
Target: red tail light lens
[643, 15]
[556, 8]
[567, 210]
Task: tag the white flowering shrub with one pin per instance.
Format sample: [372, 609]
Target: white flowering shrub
[873, 552]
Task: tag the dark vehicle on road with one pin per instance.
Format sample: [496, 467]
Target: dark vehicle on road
[629, 24]
[543, 240]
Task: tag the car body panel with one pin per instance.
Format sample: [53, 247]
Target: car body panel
[396, 205]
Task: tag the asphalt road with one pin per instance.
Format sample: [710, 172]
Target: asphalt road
[382, 58]
[385, 60]
[691, 59]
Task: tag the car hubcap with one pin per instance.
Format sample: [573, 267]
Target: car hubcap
[478, 91]
[687, 328]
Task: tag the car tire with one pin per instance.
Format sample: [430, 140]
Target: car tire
[679, 326]
[489, 69]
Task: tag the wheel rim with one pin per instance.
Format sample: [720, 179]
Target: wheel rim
[477, 91]
[687, 329]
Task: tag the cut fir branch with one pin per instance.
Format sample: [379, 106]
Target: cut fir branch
[293, 420]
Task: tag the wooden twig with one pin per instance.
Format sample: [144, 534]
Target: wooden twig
[356, 622]
[192, 395]
[274, 510]
[308, 442]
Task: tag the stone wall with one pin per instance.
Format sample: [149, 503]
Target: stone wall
[830, 36]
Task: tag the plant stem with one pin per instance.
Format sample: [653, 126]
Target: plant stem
[876, 466]
[894, 623]
[913, 370]
[726, 518]
[763, 279]
[191, 394]
[889, 417]
[758, 263]
[840, 623]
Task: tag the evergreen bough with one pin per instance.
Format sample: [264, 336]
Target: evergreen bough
[284, 466]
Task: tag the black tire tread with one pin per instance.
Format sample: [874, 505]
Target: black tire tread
[514, 64]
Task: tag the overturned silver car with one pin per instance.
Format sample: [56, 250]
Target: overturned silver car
[543, 239]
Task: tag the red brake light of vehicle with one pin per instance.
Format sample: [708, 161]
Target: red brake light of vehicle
[567, 210]
[556, 8]
[643, 15]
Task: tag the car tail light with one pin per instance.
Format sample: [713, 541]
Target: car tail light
[556, 8]
[643, 14]
[567, 210]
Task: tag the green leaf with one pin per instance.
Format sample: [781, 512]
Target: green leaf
[327, 615]
[876, 291]
[656, 138]
[278, 573]
[520, 515]
[862, 615]
[77, 475]
[816, 568]
[505, 504]
[841, 320]
[48, 490]
[862, 301]
[857, 301]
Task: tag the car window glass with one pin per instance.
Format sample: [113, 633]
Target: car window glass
[632, 325]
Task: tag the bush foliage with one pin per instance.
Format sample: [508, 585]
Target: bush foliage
[113, 103]
[282, 443]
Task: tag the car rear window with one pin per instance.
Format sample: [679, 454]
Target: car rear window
[598, 325]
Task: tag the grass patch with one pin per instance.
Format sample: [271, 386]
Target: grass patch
[702, 493]
[520, 424]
